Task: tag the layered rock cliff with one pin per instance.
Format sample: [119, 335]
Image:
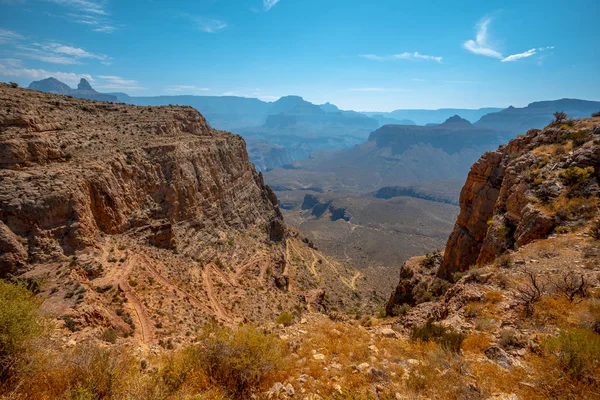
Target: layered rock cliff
[146, 221]
[72, 171]
[524, 190]
[539, 184]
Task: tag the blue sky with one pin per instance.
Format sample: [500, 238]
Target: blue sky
[364, 55]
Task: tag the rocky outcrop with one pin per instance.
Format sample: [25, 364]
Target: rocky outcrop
[84, 90]
[523, 191]
[73, 171]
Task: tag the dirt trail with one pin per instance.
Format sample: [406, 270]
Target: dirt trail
[240, 271]
[343, 279]
[144, 325]
[161, 279]
[208, 286]
[354, 279]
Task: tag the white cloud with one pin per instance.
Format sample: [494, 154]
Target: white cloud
[69, 78]
[515, 57]
[186, 89]
[7, 36]
[480, 45]
[415, 56]
[268, 4]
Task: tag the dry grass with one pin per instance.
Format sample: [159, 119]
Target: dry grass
[477, 342]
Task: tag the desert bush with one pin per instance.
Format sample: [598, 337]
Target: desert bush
[577, 352]
[439, 287]
[595, 229]
[531, 291]
[576, 176]
[400, 309]
[571, 285]
[110, 336]
[238, 360]
[285, 318]
[20, 324]
[432, 259]
[431, 332]
[596, 114]
[560, 116]
[504, 261]
[13, 85]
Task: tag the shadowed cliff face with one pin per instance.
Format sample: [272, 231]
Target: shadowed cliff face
[72, 171]
[523, 191]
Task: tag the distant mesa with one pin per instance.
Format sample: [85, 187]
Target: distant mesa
[84, 90]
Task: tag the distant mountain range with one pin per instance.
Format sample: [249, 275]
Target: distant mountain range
[424, 117]
[536, 115]
[301, 127]
[396, 155]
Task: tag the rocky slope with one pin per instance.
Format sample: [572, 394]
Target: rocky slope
[518, 285]
[541, 183]
[145, 219]
[523, 191]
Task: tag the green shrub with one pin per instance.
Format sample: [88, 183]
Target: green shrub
[110, 335]
[20, 324]
[285, 318]
[13, 85]
[431, 332]
[596, 114]
[238, 360]
[400, 309]
[577, 351]
[576, 176]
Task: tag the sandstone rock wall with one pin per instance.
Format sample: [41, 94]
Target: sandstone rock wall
[519, 193]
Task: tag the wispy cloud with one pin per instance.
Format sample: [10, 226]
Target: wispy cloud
[208, 25]
[7, 36]
[515, 57]
[117, 83]
[415, 56]
[86, 6]
[37, 74]
[268, 4]
[57, 53]
[88, 12]
[186, 89]
[481, 45]
[525, 54]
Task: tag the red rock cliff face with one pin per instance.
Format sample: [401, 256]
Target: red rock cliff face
[72, 171]
[522, 191]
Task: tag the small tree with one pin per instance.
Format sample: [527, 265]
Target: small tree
[13, 85]
[531, 291]
[560, 116]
